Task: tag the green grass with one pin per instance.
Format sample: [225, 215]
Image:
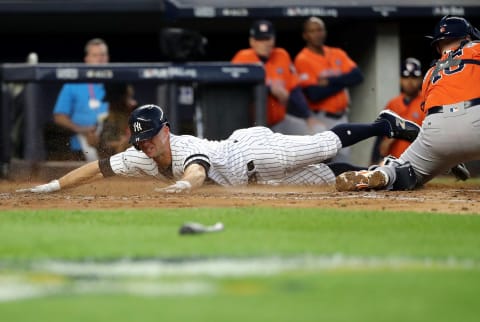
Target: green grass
[364, 293]
[248, 232]
[381, 296]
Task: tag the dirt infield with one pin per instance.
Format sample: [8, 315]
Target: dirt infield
[445, 196]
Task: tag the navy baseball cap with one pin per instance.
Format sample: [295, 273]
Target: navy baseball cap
[411, 67]
[262, 30]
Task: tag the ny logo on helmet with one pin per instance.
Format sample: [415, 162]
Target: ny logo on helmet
[137, 127]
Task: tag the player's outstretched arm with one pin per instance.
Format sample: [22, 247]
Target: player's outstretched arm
[87, 172]
[194, 177]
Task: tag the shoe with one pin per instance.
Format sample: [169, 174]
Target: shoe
[361, 180]
[460, 172]
[399, 127]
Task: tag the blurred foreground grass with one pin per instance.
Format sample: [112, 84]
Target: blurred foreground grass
[362, 292]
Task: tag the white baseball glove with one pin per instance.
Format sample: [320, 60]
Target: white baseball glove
[52, 186]
[177, 187]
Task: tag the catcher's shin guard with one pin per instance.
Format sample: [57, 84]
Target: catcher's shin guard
[406, 178]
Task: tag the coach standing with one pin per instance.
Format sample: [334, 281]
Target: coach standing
[325, 75]
[287, 107]
[79, 106]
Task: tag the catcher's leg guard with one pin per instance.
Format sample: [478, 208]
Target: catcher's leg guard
[406, 178]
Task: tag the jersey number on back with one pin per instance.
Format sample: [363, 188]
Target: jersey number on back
[450, 68]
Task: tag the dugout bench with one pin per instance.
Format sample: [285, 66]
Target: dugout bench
[222, 94]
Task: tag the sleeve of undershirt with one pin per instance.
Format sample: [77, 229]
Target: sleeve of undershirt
[106, 168]
[200, 159]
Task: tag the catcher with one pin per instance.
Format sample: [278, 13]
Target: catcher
[451, 102]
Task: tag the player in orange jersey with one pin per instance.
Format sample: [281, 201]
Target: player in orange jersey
[451, 101]
[287, 108]
[325, 75]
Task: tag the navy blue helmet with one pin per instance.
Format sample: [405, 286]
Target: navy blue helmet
[453, 27]
[145, 122]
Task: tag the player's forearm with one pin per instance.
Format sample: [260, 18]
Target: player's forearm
[349, 79]
[87, 172]
[317, 93]
[195, 175]
[64, 121]
[76, 177]
[297, 104]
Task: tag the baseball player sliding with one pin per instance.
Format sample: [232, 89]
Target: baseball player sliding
[451, 102]
[249, 155]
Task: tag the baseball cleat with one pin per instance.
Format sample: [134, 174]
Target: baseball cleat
[361, 180]
[460, 172]
[399, 127]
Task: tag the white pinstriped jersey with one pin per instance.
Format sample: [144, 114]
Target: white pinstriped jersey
[278, 158]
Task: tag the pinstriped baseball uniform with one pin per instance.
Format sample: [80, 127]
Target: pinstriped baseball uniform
[273, 158]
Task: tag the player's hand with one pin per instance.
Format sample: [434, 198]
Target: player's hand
[92, 138]
[52, 186]
[177, 187]
[280, 92]
[322, 81]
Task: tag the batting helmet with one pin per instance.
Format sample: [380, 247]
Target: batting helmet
[145, 122]
[453, 27]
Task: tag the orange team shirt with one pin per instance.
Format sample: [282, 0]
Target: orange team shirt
[457, 84]
[335, 62]
[412, 111]
[278, 68]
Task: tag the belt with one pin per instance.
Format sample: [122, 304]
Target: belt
[332, 115]
[335, 115]
[466, 104]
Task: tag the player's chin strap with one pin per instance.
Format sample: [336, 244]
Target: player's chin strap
[474, 33]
